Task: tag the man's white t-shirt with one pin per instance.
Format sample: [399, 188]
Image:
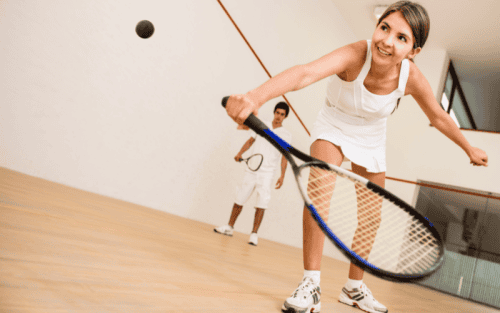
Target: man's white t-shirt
[272, 156]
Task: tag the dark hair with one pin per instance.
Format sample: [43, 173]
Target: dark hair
[416, 16]
[282, 105]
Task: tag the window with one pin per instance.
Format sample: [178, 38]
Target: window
[453, 101]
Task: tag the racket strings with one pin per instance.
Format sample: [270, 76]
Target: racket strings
[375, 228]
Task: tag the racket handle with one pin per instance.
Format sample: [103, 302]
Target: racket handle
[224, 101]
[240, 159]
[252, 121]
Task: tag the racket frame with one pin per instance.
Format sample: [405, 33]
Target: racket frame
[253, 155]
[288, 151]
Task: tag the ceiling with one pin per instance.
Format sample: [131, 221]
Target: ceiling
[469, 30]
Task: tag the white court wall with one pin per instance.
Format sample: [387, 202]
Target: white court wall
[283, 34]
[87, 103]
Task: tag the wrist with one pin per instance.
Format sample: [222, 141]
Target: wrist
[468, 150]
[256, 98]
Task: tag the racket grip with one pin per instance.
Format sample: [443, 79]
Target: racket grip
[224, 101]
[252, 121]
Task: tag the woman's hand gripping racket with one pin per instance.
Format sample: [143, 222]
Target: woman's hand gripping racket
[375, 229]
[253, 162]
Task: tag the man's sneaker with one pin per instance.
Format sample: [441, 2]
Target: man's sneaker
[225, 230]
[253, 239]
[363, 299]
[305, 299]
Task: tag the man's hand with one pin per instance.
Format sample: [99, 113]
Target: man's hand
[279, 183]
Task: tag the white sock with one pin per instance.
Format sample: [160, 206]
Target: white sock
[315, 275]
[351, 283]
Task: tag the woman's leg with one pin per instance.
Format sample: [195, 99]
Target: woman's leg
[313, 236]
[355, 272]
[355, 292]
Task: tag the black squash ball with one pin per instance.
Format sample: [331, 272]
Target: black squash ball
[145, 29]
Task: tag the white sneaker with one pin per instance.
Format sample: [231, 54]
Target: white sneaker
[305, 299]
[253, 239]
[363, 299]
[225, 230]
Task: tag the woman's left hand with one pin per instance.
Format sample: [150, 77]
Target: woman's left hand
[478, 157]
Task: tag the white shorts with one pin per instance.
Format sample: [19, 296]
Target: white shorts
[260, 182]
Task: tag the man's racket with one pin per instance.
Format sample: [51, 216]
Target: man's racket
[375, 229]
[254, 161]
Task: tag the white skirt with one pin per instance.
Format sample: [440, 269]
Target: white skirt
[363, 142]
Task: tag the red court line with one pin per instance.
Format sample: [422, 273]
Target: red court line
[262, 64]
[444, 188]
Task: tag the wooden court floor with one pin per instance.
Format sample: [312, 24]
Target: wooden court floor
[66, 250]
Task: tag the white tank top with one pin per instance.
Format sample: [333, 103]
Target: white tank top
[355, 119]
[358, 106]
